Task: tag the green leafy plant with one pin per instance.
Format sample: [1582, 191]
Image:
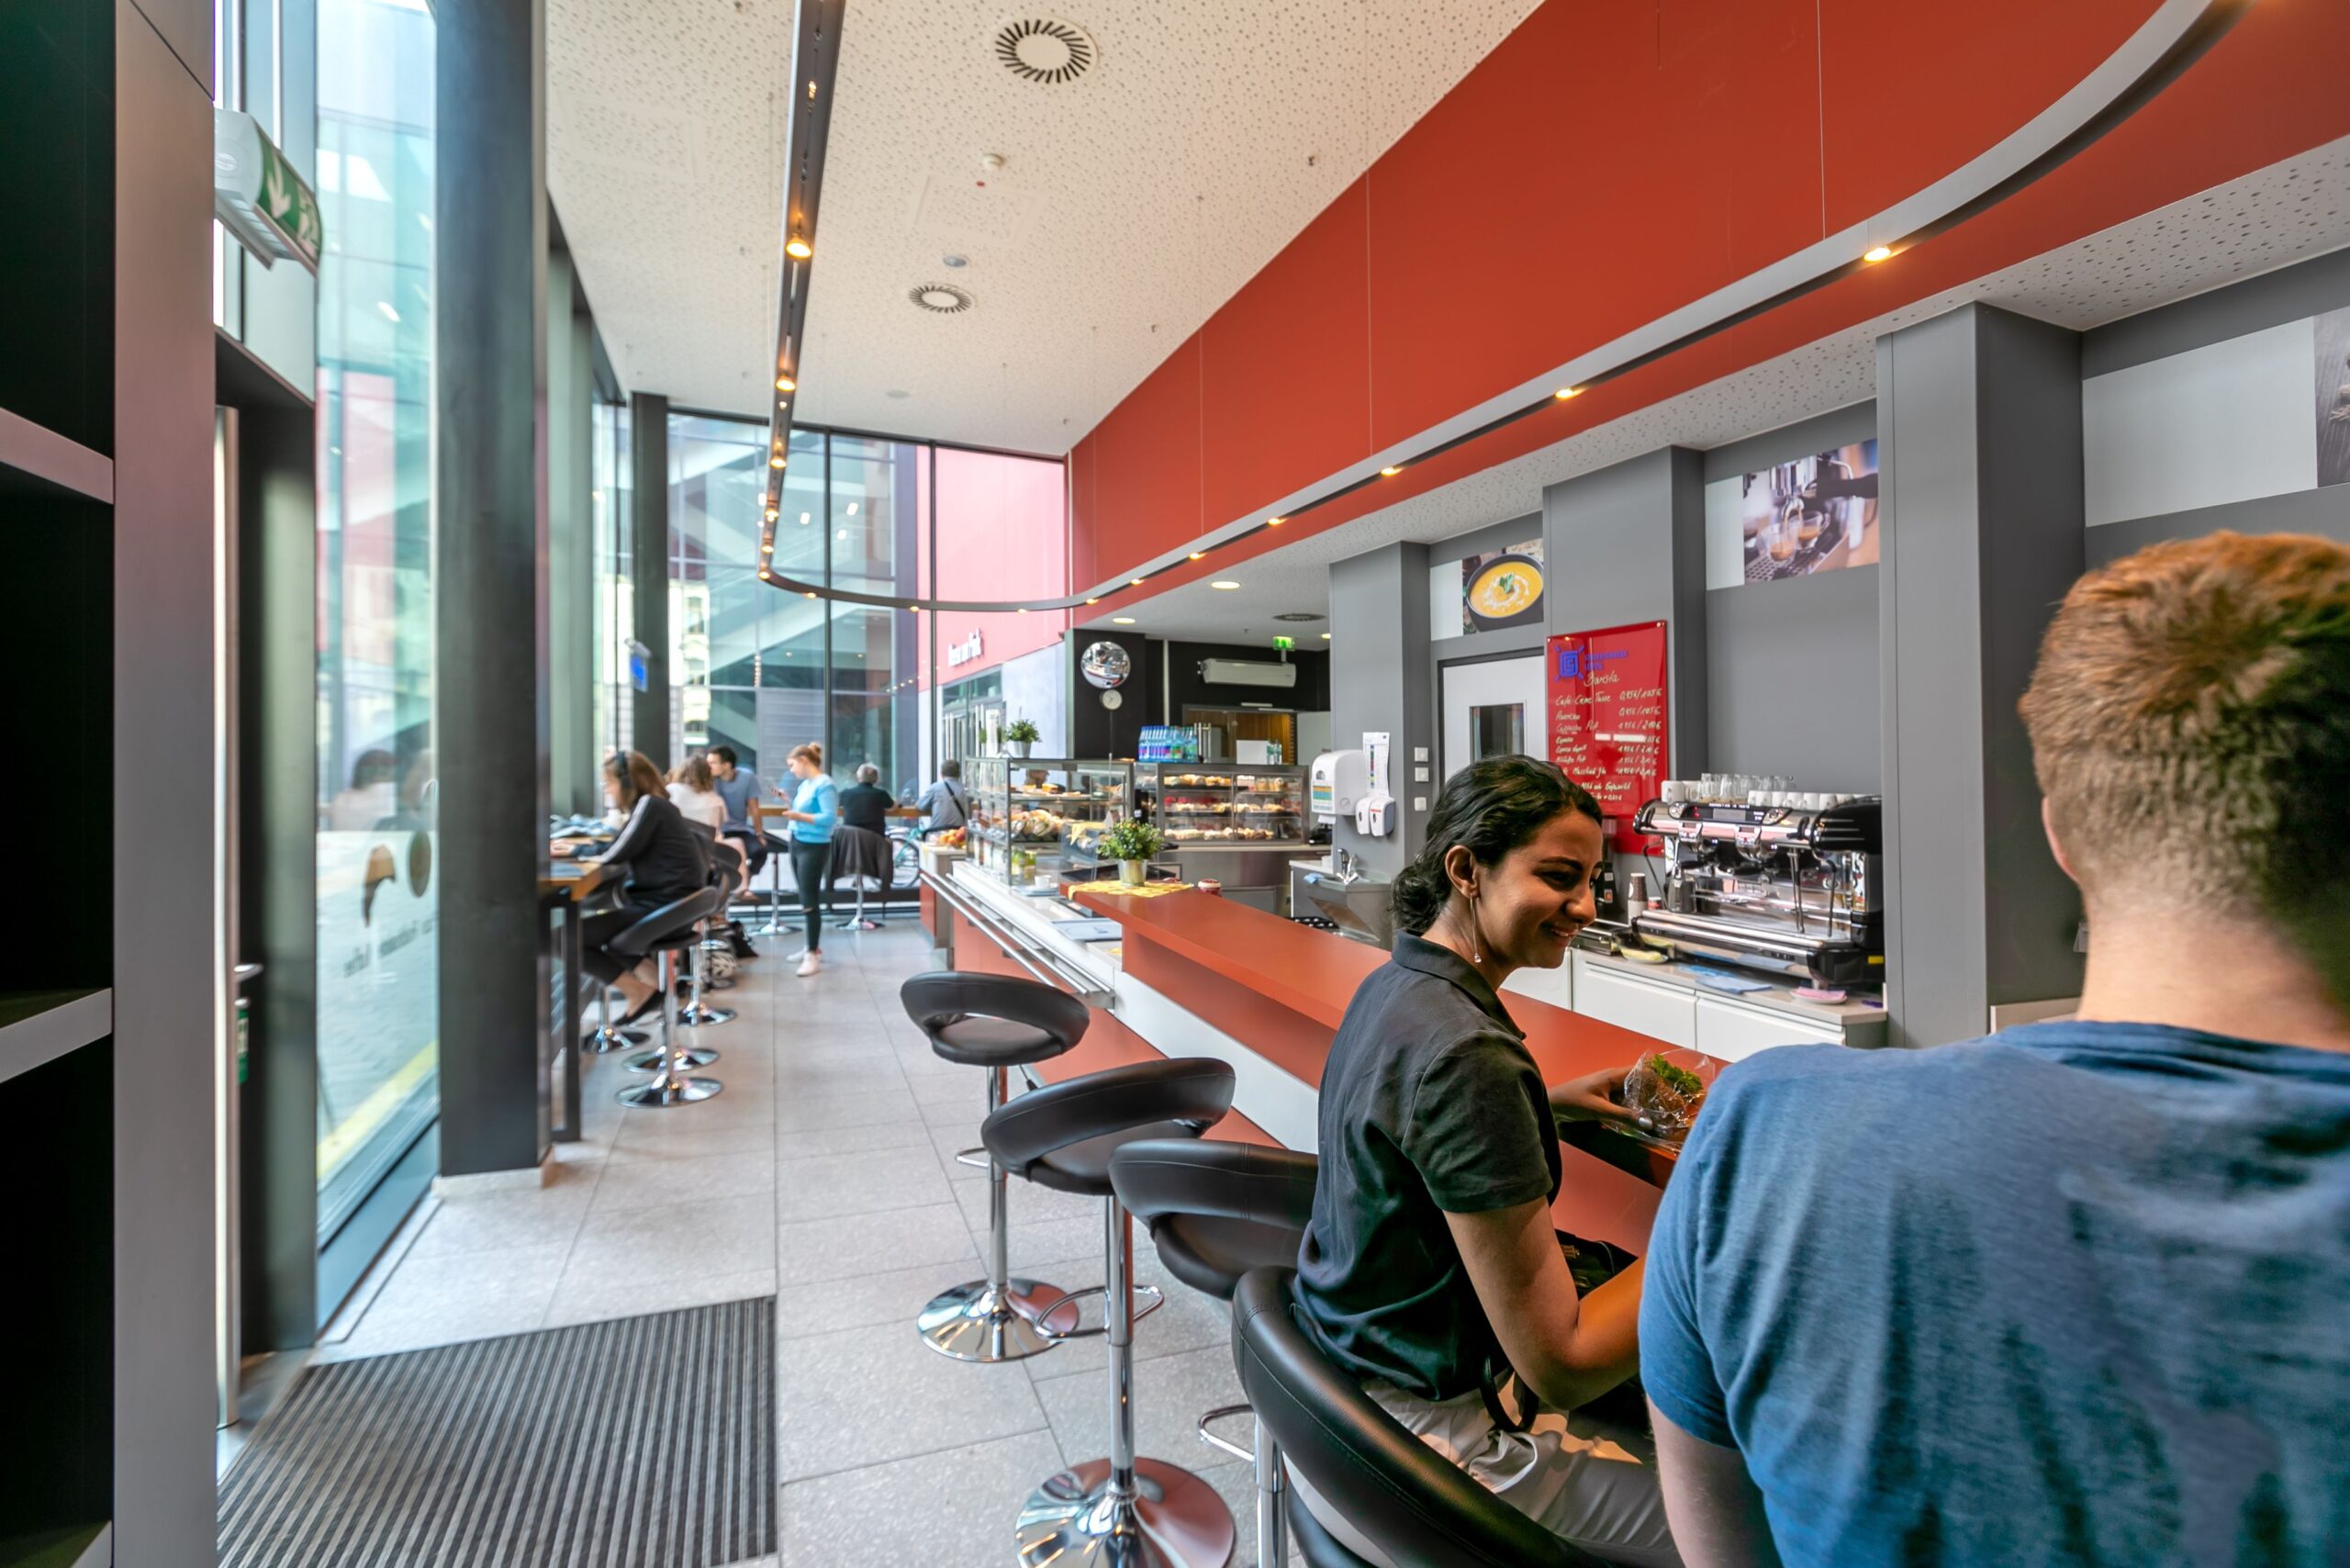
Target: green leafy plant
[1023, 730]
[1679, 1079]
[1130, 838]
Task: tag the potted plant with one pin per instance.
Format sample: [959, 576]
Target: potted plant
[1131, 842]
[1019, 735]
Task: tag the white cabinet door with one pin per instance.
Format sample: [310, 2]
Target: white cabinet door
[1728, 1030]
[1554, 986]
[1664, 1012]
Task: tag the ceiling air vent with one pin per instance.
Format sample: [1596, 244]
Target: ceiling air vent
[943, 298]
[1046, 48]
[1246, 672]
[1299, 615]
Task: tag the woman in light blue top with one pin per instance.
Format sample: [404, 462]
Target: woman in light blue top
[815, 813]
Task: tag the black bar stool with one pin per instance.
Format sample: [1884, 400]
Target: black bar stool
[998, 1022]
[1133, 1513]
[663, 934]
[1404, 1498]
[1217, 1210]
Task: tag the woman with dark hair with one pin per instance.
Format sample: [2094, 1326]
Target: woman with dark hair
[1430, 1269]
[665, 861]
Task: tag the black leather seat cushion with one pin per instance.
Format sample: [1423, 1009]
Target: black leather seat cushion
[1084, 1167]
[1316, 1544]
[669, 928]
[979, 1020]
[1210, 1252]
[1398, 1492]
[993, 1042]
[1062, 1135]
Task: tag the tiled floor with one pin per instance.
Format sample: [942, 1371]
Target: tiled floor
[824, 1173]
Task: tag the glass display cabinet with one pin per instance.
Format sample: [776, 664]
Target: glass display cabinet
[1034, 818]
[1237, 823]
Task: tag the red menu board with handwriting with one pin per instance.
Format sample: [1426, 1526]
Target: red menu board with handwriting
[1608, 718]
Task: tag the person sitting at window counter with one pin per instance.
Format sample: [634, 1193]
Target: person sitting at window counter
[665, 862]
[2077, 1292]
[865, 803]
[1430, 1269]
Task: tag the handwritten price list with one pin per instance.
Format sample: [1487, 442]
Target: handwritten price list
[1608, 714]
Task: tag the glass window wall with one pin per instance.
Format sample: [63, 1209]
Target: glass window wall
[377, 906]
[762, 670]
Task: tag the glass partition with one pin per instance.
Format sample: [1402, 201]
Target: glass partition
[378, 986]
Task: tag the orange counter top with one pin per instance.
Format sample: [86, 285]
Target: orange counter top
[1281, 988]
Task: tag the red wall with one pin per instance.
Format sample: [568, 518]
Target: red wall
[1609, 163]
[1001, 537]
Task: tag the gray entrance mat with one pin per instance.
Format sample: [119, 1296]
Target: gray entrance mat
[645, 1442]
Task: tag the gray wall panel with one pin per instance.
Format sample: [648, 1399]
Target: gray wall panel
[164, 976]
[2289, 293]
[2326, 511]
[1838, 427]
[1627, 544]
[648, 534]
[1792, 681]
[185, 28]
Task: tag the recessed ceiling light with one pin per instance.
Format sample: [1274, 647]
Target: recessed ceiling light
[1563, 393]
[785, 384]
[776, 461]
[1326, 636]
[1390, 472]
[1136, 583]
[1275, 521]
[1879, 253]
[952, 260]
[1199, 555]
[898, 392]
[1227, 584]
[1121, 621]
[798, 248]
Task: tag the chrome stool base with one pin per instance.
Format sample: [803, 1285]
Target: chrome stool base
[983, 1322]
[683, 1057]
[694, 1015]
[1171, 1519]
[610, 1039]
[667, 1091]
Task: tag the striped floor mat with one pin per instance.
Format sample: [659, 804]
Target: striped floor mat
[647, 1442]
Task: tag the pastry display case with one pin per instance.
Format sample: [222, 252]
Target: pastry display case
[1238, 825]
[1033, 818]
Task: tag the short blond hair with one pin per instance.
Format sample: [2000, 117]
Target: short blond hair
[2190, 729]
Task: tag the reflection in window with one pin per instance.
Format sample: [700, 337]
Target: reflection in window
[378, 988]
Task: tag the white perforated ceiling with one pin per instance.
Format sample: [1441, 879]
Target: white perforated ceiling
[2283, 214]
[1131, 201]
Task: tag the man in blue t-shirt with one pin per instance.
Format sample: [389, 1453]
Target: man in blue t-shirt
[2079, 1292]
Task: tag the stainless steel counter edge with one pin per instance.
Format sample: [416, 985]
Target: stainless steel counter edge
[1777, 999]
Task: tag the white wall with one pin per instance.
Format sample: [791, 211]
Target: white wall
[1035, 688]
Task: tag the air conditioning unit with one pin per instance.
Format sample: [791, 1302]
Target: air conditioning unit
[1247, 672]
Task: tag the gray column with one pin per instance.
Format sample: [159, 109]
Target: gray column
[1379, 680]
[1979, 421]
[489, 581]
[648, 526]
[1627, 544]
[163, 631]
[571, 590]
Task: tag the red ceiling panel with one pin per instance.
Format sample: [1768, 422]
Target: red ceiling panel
[1147, 484]
[1916, 90]
[1286, 365]
[1490, 261]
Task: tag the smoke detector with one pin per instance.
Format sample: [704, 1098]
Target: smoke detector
[1046, 50]
[941, 298]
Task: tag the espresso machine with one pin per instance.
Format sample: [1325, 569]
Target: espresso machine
[1780, 881]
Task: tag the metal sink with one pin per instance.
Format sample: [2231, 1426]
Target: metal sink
[1362, 908]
